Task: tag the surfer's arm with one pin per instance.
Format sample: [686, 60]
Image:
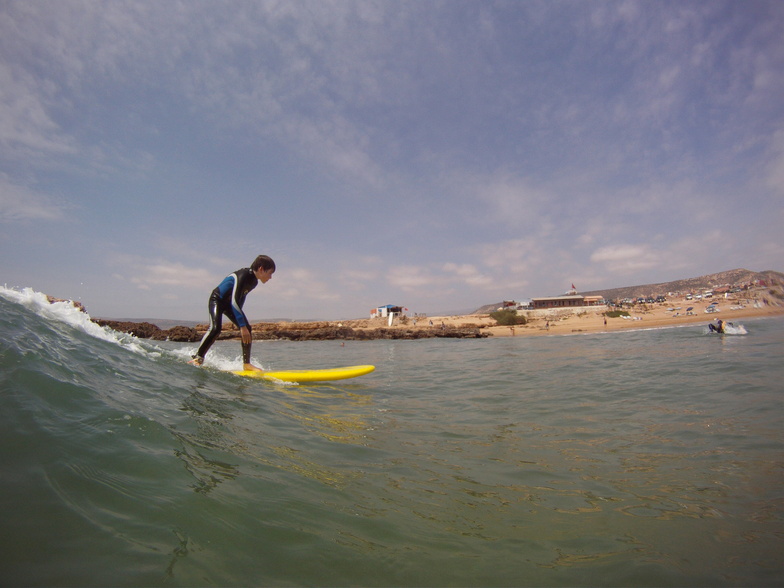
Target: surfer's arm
[237, 299]
[229, 291]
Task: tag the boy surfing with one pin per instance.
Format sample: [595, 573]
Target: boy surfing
[228, 299]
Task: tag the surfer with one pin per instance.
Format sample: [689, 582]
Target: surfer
[718, 327]
[228, 299]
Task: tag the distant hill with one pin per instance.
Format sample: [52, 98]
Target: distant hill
[487, 308]
[731, 278]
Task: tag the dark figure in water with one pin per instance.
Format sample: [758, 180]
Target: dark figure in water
[718, 327]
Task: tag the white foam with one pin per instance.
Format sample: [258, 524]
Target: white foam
[66, 312]
[732, 329]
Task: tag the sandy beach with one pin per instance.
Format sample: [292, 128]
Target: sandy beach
[557, 322]
[673, 313]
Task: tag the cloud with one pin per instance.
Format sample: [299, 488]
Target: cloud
[163, 274]
[466, 273]
[19, 204]
[775, 169]
[626, 259]
[412, 278]
[427, 279]
[514, 201]
[336, 143]
[26, 125]
[301, 285]
[359, 279]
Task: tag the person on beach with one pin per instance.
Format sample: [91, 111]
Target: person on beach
[228, 299]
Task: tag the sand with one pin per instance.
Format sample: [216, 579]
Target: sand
[756, 304]
[589, 320]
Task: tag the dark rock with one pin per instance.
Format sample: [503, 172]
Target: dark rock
[76, 303]
[142, 330]
[321, 331]
[178, 334]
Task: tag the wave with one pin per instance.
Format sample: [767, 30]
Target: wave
[61, 315]
[114, 447]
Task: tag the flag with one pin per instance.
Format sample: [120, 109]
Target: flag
[573, 287]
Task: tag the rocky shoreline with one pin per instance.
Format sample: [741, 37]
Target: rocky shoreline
[762, 302]
[314, 331]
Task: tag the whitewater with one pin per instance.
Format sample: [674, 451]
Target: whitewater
[639, 458]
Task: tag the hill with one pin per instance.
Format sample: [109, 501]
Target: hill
[732, 278]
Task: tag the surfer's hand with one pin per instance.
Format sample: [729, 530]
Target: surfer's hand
[245, 332]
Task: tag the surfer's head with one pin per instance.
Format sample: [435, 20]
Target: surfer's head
[263, 262]
[263, 267]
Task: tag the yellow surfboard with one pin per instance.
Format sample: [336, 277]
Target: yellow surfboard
[302, 376]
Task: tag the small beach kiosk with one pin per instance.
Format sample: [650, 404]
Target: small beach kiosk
[388, 311]
[385, 311]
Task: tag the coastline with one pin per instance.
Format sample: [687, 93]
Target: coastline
[579, 320]
[653, 317]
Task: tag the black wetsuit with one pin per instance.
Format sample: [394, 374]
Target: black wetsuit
[227, 299]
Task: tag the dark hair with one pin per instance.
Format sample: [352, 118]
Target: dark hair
[264, 262]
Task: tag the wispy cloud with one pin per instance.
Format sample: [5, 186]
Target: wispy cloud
[306, 287]
[21, 204]
[148, 275]
[27, 127]
[626, 259]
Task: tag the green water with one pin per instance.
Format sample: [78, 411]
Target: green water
[644, 458]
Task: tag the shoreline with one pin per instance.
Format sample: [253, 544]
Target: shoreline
[652, 318]
[582, 320]
[578, 320]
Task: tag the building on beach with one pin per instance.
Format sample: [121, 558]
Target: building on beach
[566, 301]
[385, 311]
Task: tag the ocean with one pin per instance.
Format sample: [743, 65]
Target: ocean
[634, 458]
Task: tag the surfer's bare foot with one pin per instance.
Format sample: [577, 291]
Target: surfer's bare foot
[248, 367]
[197, 361]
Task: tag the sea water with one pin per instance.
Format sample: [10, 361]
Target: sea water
[638, 458]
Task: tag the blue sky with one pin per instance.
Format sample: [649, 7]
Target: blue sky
[436, 155]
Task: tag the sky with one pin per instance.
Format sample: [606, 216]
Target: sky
[434, 155]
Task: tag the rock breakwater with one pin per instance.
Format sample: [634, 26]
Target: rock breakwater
[313, 331]
[145, 330]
